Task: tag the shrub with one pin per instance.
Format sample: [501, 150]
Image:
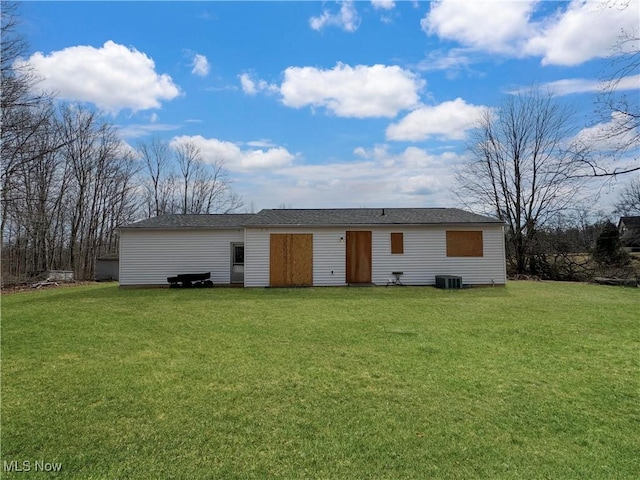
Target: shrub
[608, 249]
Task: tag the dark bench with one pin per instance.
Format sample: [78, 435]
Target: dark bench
[188, 280]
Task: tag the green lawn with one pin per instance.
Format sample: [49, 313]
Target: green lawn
[535, 380]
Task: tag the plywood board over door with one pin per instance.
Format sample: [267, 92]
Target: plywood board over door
[358, 257]
[291, 260]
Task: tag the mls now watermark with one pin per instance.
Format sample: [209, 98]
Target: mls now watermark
[29, 466]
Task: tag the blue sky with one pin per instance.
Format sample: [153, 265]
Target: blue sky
[322, 104]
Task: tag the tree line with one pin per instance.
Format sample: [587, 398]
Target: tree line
[68, 179]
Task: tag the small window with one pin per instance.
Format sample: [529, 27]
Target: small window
[397, 243]
[464, 244]
[238, 254]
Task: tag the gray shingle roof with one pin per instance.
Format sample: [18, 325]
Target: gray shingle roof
[630, 222]
[366, 216]
[227, 220]
[315, 217]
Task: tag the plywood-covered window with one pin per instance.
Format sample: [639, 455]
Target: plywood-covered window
[464, 243]
[397, 243]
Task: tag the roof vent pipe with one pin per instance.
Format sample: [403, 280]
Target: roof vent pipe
[383, 211]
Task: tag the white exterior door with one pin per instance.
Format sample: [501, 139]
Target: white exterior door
[237, 263]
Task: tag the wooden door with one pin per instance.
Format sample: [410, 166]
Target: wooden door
[291, 260]
[358, 257]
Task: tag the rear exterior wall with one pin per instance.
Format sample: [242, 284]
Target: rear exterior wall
[148, 257]
[423, 258]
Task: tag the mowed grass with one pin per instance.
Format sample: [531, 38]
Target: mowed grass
[535, 380]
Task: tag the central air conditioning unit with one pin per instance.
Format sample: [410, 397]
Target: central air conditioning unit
[448, 281]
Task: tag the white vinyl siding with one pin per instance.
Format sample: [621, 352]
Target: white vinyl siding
[424, 255]
[148, 257]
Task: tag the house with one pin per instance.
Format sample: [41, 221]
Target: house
[629, 229]
[316, 247]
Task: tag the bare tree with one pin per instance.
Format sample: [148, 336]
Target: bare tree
[190, 165]
[63, 215]
[615, 148]
[98, 190]
[202, 185]
[628, 203]
[522, 169]
[212, 189]
[17, 77]
[159, 182]
[563, 246]
[67, 202]
[26, 117]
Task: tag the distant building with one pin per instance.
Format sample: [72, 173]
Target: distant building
[107, 267]
[629, 228]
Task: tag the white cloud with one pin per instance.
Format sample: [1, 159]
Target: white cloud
[602, 137]
[277, 157]
[383, 4]
[345, 91]
[410, 159]
[237, 159]
[572, 34]
[347, 18]
[613, 145]
[248, 85]
[252, 87]
[112, 77]
[421, 185]
[570, 86]
[452, 60]
[126, 149]
[492, 26]
[200, 65]
[360, 91]
[448, 120]
[586, 29]
[375, 177]
[632, 82]
[262, 143]
[137, 130]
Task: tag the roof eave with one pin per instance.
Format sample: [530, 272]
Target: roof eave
[400, 224]
[238, 227]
